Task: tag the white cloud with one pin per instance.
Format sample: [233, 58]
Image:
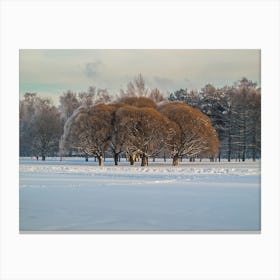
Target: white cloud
[113, 69]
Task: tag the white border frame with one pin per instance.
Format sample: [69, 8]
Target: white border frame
[161, 24]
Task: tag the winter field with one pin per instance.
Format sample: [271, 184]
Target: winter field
[74, 195]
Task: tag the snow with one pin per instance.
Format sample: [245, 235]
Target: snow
[74, 195]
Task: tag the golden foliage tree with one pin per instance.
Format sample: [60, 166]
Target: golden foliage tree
[89, 130]
[147, 131]
[130, 126]
[139, 102]
[195, 135]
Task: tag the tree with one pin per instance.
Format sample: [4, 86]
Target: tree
[89, 130]
[40, 126]
[247, 111]
[214, 104]
[68, 104]
[179, 95]
[147, 131]
[156, 95]
[195, 134]
[87, 99]
[94, 96]
[255, 123]
[234, 112]
[70, 101]
[136, 87]
[141, 89]
[140, 102]
[227, 128]
[26, 113]
[46, 128]
[118, 140]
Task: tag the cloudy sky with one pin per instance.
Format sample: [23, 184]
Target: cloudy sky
[52, 72]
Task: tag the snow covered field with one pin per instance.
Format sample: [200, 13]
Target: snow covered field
[74, 195]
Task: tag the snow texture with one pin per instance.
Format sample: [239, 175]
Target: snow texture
[74, 195]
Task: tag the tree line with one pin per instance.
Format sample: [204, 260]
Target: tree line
[235, 113]
[142, 123]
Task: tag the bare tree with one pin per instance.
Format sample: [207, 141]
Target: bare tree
[68, 104]
[87, 98]
[26, 113]
[136, 87]
[70, 101]
[39, 126]
[156, 95]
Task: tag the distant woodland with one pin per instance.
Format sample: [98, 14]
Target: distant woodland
[139, 123]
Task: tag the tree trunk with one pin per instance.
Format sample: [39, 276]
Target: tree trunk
[100, 161]
[243, 156]
[254, 144]
[229, 148]
[131, 160]
[116, 158]
[229, 142]
[175, 160]
[144, 160]
[244, 146]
